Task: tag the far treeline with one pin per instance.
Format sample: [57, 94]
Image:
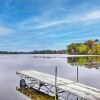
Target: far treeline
[36, 52]
[89, 47]
[49, 52]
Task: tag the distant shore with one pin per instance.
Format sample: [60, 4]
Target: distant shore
[36, 52]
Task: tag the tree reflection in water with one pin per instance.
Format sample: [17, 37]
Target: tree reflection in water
[87, 61]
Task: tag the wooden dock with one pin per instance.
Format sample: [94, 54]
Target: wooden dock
[80, 90]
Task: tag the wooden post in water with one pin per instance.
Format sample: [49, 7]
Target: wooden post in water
[56, 83]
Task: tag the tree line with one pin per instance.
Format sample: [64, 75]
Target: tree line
[89, 47]
[36, 52]
[49, 52]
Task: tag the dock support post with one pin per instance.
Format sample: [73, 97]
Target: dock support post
[77, 74]
[77, 78]
[56, 83]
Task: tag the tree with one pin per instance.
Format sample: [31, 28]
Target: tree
[90, 52]
[89, 47]
[89, 43]
[98, 48]
[83, 49]
[96, 40]
[94, 49]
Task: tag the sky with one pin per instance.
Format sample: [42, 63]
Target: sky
[27, 25]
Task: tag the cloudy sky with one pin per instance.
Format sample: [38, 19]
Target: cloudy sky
[27, 25]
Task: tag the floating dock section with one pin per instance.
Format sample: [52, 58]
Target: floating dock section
[80, 90]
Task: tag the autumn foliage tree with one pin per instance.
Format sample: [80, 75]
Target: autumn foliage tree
[89, 43]
[90, 47]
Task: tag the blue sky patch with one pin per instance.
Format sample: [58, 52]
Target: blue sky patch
[27, 25]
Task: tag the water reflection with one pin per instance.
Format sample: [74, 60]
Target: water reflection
[34, 94]
[9, 64]
[88, 61]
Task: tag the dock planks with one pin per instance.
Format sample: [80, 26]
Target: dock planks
[83, 91]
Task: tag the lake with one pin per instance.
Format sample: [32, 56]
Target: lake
[88, 68]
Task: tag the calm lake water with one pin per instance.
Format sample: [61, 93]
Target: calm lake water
[89, 70]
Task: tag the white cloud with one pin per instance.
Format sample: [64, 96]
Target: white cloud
[40, 23]
[45, 21]
[56, 35]
[5, 30]
[49, 24]
[93, 15]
